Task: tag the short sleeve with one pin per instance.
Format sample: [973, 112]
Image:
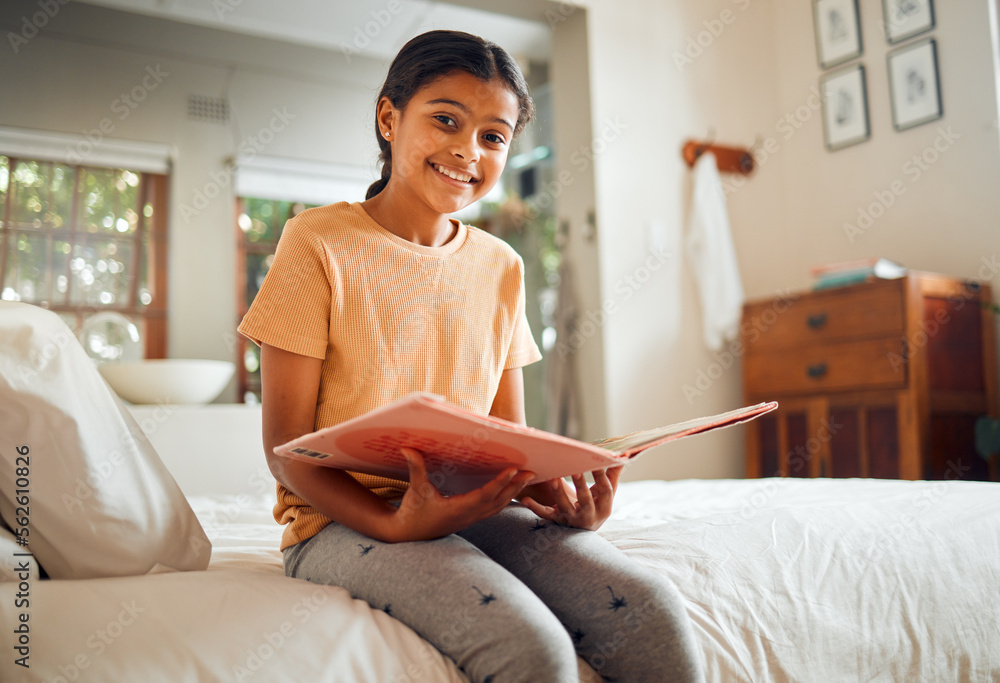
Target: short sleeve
[523, 350]
[292, 309]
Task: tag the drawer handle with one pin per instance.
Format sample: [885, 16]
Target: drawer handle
[816, 320]
[816, 371]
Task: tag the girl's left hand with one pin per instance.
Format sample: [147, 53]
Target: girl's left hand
[584, 508]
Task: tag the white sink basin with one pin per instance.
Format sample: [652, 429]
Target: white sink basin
[168, 380]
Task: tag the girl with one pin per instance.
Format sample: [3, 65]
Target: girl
[369, 301]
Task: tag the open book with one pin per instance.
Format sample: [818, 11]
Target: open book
[464, 450]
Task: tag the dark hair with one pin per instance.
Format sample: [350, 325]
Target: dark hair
[435, 54]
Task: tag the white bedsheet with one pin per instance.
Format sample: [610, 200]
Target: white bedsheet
[241, 620]
[828, 580]
[785, 580]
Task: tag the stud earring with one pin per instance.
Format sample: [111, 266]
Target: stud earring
[387, 134]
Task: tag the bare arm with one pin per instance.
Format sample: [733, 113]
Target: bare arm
[290, 389]
[508, 404]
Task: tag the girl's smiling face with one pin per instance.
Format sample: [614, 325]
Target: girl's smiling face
[450, 143]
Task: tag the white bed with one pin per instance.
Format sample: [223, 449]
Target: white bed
[784, 580]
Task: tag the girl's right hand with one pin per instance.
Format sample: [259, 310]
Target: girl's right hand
[424, 513]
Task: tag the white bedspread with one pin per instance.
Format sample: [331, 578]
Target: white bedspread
[828, 580]
[785, 580]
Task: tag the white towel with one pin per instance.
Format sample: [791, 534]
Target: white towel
[711, 254]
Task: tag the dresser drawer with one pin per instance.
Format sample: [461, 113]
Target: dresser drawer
[851, 312]
[835, 366]
[836, 358]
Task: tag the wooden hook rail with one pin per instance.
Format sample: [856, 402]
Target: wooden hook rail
[728, 159]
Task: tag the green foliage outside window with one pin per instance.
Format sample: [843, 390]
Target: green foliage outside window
[71, 236]
[261, 222]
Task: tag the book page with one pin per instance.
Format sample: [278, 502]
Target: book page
[649, 437]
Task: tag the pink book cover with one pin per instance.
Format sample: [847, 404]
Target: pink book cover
[464, 450]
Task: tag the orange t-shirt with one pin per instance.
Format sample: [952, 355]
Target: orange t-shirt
[388, 317]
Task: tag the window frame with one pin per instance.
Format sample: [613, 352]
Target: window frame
[153, 189]
[244, 381]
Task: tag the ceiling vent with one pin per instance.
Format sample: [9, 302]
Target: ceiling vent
[208, 109]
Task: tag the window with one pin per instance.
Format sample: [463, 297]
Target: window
[269, 191]
[259, 225]
[86, 240]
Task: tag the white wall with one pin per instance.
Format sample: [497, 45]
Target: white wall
[945, 218]
[646, 102]
[69, 76]
[757, 65]
[573, 193]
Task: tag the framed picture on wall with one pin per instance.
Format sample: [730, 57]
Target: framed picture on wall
[838, 31]
[914, 88]
[845, 107]
[904, 19]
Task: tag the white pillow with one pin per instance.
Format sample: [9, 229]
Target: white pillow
[100, 501]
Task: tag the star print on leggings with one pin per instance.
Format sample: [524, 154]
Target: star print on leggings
[365, 549]
[616, 602]
[577, 635]
[484, 598]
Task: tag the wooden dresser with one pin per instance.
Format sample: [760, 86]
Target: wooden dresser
[883, 379]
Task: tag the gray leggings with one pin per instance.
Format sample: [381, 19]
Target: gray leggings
[516, 598]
